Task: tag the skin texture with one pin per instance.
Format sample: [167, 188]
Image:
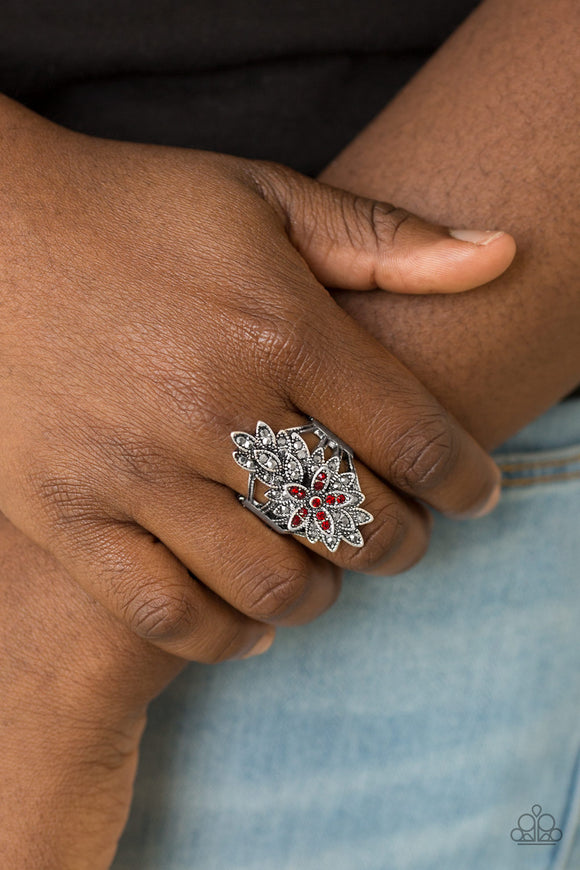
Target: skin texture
[75, 684]
[487, 133]
[477, 131]
[156, 299]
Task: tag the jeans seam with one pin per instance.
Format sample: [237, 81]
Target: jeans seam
[538, 463]
[545, 478]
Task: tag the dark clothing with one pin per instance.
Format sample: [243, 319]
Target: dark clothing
[292, 82]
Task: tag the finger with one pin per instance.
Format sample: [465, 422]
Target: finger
[394, 540]
[185, 510]
[138, 580]
[358, 243]
[261, 573]
[411, 550]
[349, 382]
[397, 535]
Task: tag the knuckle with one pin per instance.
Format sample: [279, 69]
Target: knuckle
[189, 395]
[282, 342]
[137, 456]
[270, 595]
[64, 499]
[386, 220]
[385, 535]
[158, 615]
[274, 182]
[424, 455]
[288, 353]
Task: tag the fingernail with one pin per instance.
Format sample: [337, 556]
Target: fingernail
[263, 644]
[491, 502]
[476, 237]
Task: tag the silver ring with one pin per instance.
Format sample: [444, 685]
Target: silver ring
[312, 495]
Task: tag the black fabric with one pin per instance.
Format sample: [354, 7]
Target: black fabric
[292, 81]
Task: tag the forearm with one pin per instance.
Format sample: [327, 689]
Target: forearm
[74, 684]
[486, 135]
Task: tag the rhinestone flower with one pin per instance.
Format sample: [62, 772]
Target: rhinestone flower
[309, 495]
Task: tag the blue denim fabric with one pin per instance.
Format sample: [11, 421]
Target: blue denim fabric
[410, 726]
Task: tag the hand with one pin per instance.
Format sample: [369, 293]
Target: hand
[155, 299]
[75, 685]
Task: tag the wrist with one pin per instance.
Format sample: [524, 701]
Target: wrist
[62, 651]
[75, 685]
[66, 793]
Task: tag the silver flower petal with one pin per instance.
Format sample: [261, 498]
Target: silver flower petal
[347, 498]
[312, 531]
[321, 478]
[244, 460]
[243, 440]
[264, 435]
[333, 464]
[316, 458]
[296, 522]
[345, 522]
[296, 492]
[299, 446]
[267, 459]
[354, 538]
[293, 469]
[360, 516]
[332, 543]
[329, 532]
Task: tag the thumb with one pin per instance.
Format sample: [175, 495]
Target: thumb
[358, 243]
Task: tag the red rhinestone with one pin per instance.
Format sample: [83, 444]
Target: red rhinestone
[321, 515]
[341, 498]
[296, 491]
[318, 484]
[303, 512]
[295, 521]
[316, 502]
[325, 524]
[330, 499]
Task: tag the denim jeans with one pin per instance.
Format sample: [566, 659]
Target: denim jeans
[413, 726]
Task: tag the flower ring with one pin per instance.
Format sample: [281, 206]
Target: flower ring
[310, 495]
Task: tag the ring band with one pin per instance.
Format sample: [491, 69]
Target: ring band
[312, 496]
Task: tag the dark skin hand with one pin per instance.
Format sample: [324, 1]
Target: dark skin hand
[95, 396]
[156, 299]
[487, 132]
[504, 150]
